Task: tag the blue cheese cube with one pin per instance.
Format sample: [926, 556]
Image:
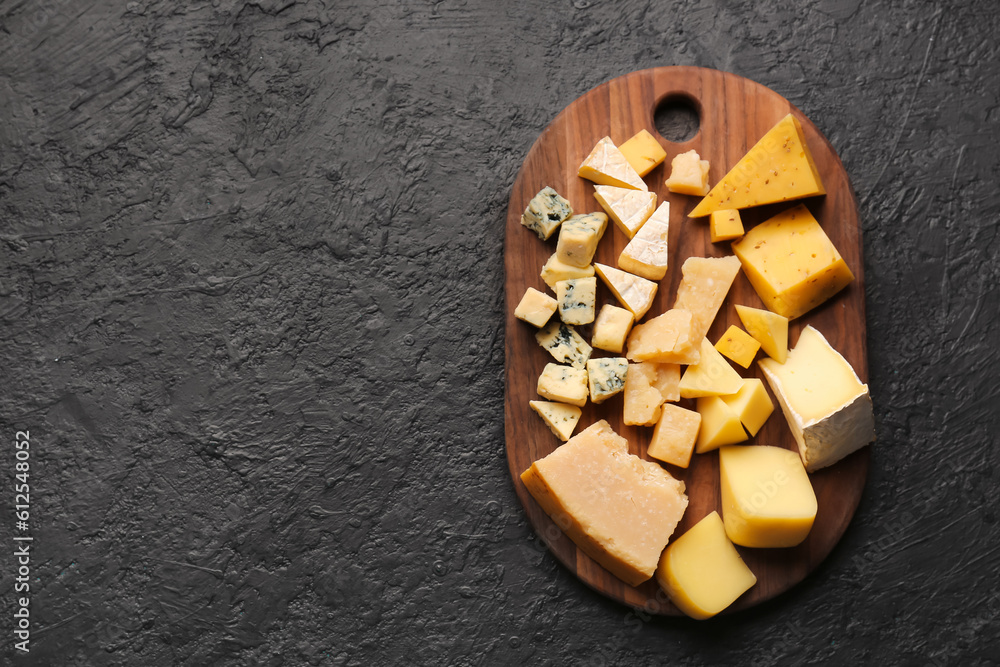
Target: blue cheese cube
[579, 237]
[577, 300]
[606, 377]
[545, 212]
[564, 344]
[564, 384]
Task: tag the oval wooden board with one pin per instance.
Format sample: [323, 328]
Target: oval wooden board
[734, 113]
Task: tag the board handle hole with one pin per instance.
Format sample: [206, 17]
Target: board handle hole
[677, 118]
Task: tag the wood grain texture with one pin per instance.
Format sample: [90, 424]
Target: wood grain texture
[734, 113]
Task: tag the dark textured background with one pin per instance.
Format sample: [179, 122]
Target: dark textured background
[251, 314]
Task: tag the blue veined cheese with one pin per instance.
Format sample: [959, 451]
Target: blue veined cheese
[564, 384]
[564, 343]
[577, 300]
[559, 417]
[535, 307]
[606, 165]
[633, 292]
[545, 212]
[647, 254]
[578, 238]
[628, 208]
[555, 270]
[606, 377]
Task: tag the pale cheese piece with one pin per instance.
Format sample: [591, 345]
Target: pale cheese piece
[606, 377]
[643, 152]
[545, 212]
[675, 435]
[578, 238]
[711, 376]
[564, 384]
[628, 208]
[665, 338]
[688, 174]
[611, 328]
[668, 381]
[705, 281]
[738, 345]
[633, 292]
[828, 408]
[555, 270]
[535, 307]
[769, 329]
[618, 509]
[647, 254]
[559, 417]
[607, 166]
[720, 425]
[577, 300]
[564, 343]
[642, 398]
[751, 403]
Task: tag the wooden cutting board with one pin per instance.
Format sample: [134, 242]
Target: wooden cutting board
[734, 113]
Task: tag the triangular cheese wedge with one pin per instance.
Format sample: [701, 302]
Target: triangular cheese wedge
[705, 281]
[628, 208]
[607, 166]
[711, 376]
[633, 292]
[778, 168]
[647, 254]
[767, 328]
[559, 417]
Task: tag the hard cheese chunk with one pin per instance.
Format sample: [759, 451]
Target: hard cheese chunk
[711, 376]
[720, 425]
[751, 404]
[556, 270]
[767, 328]
[545, 212]
[607, 166]
[778, 168]
[633, 292]
[701, 572]
[675, 435]
[628, 208]
[725, 225]
[828, 408]
[705, 281]
[606, 377]
[688, 174]
[564, 384]
[643, 152]
[619, 509]
[612, 328]
[792, 263]
[767, 498]
[647, 254]
[564, 343]
[738, 345]
[642, 397]
[579, 237]
[559, 417]
[666, 339]
[535, 307]
[577, 300]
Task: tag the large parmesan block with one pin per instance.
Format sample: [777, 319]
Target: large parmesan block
[705, 281]
[628, 208]
[619, 509]
[828, 408]
[605, 165]
[647, 254]
[633, 292]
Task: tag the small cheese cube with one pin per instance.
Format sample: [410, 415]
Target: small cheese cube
[769, 329]
[711, 376]
[666, 338]
[738, 345]
[668, 380]
[577, 299]
[612, 328]
[605, 165]
[688, 174]
[564, 384]
[647, 254]
[720, 425]
[564, 343]
[725, 225]
[579, 237]
[701, 572]
[767, 499]
[619, 509]
[751, 403]
[675, 435]
[643, 152]
[535, 307]
[705, 281]
[642, 398]
[559, 417]
[792, 263]
[545, 212]
[628, 208]
[633, 292]
[555, 270]
[606, 377]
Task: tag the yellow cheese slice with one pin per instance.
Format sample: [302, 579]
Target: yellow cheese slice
[559, 417]
[643, 152]
[769, 329]
[607, 166]
[704, 284]
[711, 376]
[647, 253]
[628, 208]
[778, 168]
[633, 292]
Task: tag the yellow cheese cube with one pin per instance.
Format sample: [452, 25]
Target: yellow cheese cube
[778, 168]
[647, 254]
[767, 498]
[751, 403]
[577, 298]
[633, 292]
[675, 435]
[555, 270]
[643, 152]
[701, 572]
[642, 398]
[564, 384]
[628, 208]
[705, 281]
[688, 174]
[619, 509]
[791, 263]
[559, 417]
[605, 165]
[664, 338]
[611, 328]
[535, 307]
[720, 425]
[578, 238]
[736, 344]
[711, 376]
[769, 329]
[725, 225]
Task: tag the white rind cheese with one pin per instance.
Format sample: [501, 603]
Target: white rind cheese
[647, 253]
[628, 208]
[545, 212]
[564, 344]
[633, 292]
[606, 165]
